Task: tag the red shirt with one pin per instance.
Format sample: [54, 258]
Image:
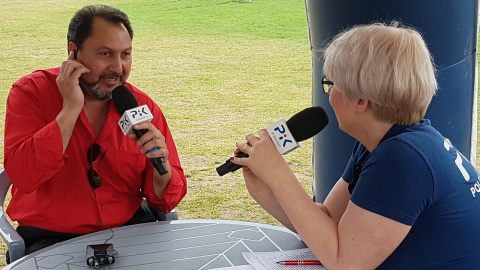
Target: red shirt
[51, 189]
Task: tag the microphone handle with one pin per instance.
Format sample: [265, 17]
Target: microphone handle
[158, 163]
[229, 166]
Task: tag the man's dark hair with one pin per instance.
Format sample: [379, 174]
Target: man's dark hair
[80, 27]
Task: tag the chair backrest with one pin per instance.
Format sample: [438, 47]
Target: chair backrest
[15, 243]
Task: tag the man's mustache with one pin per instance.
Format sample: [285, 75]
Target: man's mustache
[111, 76]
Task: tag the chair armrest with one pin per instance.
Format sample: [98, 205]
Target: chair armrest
[161, 216]
[15, 243]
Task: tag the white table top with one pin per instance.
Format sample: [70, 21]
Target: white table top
[178, 244]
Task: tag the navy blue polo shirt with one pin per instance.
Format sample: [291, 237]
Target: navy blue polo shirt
[415, 176]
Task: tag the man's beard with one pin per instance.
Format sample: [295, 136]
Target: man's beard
[94, 91]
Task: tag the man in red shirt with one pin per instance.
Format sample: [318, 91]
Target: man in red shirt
[72, 169]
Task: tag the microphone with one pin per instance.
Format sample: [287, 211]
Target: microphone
[132, 114]
[286, 135]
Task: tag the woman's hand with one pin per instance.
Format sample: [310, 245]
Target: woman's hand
[263, 161]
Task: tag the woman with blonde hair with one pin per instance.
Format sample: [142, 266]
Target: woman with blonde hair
[407, 198]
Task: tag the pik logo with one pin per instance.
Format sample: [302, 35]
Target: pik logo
[124, 122]
[283, 136]
[134, 116]
[140, 112]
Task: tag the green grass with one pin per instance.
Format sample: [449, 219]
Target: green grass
[219, 69]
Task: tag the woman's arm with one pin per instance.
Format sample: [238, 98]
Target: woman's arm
[343, 237]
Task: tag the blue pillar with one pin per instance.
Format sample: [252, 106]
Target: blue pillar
[450, 30]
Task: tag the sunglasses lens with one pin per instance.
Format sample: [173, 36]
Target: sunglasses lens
[92, 155]
[94, 178]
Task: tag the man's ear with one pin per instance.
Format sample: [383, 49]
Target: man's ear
[73, 47]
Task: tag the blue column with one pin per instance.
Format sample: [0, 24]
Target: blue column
[450, 30]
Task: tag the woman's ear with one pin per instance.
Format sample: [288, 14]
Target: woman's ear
[362, 105]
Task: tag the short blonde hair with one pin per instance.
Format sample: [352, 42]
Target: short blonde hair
[389, 65]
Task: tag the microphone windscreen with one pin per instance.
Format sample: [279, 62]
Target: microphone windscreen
[307, 123]
[123, 99]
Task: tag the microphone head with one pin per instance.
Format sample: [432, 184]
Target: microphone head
[123, 99]
[307, 123]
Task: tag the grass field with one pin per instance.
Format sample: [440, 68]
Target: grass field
[218, 68]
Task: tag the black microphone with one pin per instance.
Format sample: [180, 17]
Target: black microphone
[303, 125]
[125, 101]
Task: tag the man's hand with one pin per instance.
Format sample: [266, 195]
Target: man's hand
[73, 99]
[68, 82]
[152, 139]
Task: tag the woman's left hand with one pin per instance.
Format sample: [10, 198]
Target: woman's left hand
[263, 159]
